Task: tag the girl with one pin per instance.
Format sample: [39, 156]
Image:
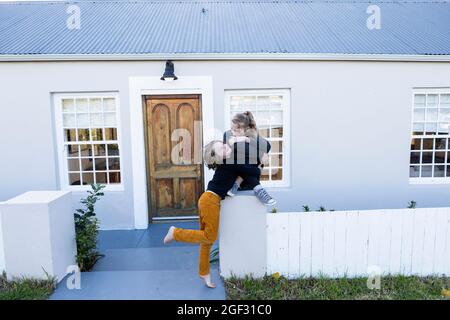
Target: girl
[249, 149]
[209, 204]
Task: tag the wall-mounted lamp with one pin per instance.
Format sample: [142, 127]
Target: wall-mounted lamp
[169, 72]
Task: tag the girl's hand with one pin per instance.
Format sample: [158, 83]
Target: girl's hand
[233, 140]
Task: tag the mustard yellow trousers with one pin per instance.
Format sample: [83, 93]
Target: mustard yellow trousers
[209, 211]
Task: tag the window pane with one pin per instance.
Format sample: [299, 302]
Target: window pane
[82, 105]
[276, 160]
[86, 150]
[101, 177]
[444, 114]
[114, 164]
[96, 119]
[114, 177]
[83, 120]
[432, 100]
[69, 120]
[113, 150]
[99, 150]
[426, 171]
[414, 171]
[88, 178]
[277, 146]
[265, 174]
[97, 134]
[448, 171]
[87, 164]
[439, 157]
[73, 164]
[68, 105]
[439, 143]
[415, 157]
[419, 100]
[439, 171]
[419, 114]
[418, 128]
[416, 144]
[100, 163]
[74, 179]
[73, 151]
[110, 134]
[428, 144]
[109, 104]
[432, 114]
[427, 157]
[83, 135]
[70, 135]
[263, 103]
[110, 119]
[95, 105]
[277, 132]
[445, 100]
[277, 173]
[443, 128]
[430, 128]
[263, 132]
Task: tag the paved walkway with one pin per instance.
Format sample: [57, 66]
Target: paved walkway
[137, 265]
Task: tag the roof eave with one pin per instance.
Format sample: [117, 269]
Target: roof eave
[224, 56]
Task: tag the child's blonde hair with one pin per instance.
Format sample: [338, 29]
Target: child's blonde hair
[212, 160]
[247, 121]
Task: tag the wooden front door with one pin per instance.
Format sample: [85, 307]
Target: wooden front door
[174, 168]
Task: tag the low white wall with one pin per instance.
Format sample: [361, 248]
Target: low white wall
[346, 243]
[38, 234]
[242, 238]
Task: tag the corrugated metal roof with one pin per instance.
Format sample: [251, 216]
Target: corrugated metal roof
[177, 27]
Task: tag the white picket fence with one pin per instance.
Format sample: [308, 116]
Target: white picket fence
[347, 243]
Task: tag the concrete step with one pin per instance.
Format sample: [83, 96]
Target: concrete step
[157, 258]
[142, 285]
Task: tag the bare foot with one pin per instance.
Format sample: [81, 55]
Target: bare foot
[208, 281]
[169, 236]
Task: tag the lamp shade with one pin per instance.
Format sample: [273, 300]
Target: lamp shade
[169, 72]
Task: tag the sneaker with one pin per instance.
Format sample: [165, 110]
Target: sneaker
[232, 192]
[264, 197]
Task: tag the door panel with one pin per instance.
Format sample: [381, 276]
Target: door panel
[175, 180]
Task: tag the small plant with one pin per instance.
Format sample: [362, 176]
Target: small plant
[306, 209]
[322, 208]
[412, 204]
[214, 255]
[274, 210]
[86, 229]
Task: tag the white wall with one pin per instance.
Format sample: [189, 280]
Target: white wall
[350, 126]
[348, 243]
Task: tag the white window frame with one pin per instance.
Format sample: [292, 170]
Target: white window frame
[427, 180]
[61, 150]
[286, 103]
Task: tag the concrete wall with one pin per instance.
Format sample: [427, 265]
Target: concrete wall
[350, 126]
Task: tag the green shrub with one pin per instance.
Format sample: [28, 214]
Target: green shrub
[87, 228]
[412, 204]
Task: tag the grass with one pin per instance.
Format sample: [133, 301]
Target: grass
[25, 288]
[392, 288]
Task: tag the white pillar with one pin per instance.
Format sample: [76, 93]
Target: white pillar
[38, 234]
[242, 236]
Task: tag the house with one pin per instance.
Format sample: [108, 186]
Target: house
[354, 97]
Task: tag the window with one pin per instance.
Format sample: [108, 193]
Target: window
[430, 145]
[87, 131]
[270, 109]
